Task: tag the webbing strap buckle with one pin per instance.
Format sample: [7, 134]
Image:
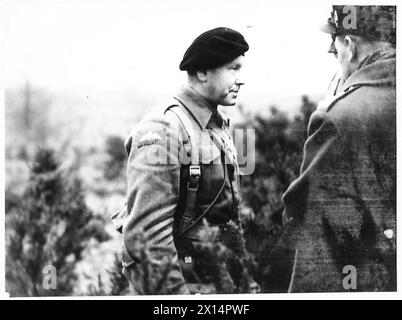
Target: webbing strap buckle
[195, 174]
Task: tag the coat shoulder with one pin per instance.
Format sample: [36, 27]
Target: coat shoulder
[156, 126]
[363, 101]
[365, 107]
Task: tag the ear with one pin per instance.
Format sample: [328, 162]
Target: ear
[351, 48]
[202, 76]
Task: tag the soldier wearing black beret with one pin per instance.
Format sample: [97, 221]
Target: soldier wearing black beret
[213, 49]
[170, 198]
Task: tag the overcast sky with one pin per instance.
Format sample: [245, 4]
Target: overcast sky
[122, 44]
[137, 45]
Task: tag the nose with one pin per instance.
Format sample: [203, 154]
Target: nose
[240, 79]
[332, 48]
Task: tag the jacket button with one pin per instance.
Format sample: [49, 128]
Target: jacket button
[389, 233]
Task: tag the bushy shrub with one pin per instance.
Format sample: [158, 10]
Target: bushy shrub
[279, 151]
[49, 225]
[225, 261]
[116, 161]
[223, 265]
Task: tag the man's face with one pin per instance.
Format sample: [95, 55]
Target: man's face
[342, 53]
[223, 83]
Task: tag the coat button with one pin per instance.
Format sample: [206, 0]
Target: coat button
[389, 233]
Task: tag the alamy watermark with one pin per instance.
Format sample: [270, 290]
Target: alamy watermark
[167, 149]
[350, 280]
[49, 281]
[349, 21]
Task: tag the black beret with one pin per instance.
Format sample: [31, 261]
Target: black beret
[371, 22]
[213, 49]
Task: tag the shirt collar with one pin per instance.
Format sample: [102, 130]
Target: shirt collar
[200, 108]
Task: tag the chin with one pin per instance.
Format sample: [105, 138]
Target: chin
[228, 103]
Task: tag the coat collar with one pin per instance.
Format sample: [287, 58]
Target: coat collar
[376, 69]
[200, 108]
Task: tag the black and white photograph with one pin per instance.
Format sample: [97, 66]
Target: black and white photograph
[185, 147]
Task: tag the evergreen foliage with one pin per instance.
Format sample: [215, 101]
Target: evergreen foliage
[49, 225]
[116, 162]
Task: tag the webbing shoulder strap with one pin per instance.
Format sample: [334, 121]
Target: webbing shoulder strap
[189, 219]
[189, 215]
[195, 168]
[189, 129]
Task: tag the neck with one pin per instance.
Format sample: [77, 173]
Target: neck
[198, 90]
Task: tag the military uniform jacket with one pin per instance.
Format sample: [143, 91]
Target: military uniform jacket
[342, 208]
[159, 151]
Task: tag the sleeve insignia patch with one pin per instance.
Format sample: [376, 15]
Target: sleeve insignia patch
[148, 139]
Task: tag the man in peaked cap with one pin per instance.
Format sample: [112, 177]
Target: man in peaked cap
[340, 213]
[182, 170]
[376, 23]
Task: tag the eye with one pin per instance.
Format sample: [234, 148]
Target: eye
[236, 67]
